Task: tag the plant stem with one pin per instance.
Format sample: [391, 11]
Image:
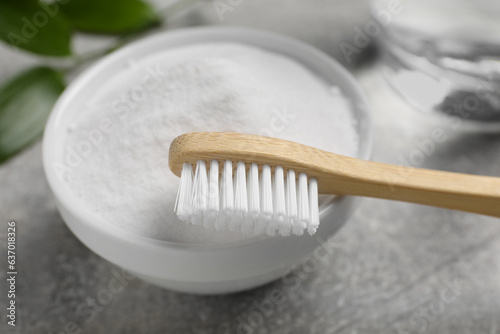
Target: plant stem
[178, 6]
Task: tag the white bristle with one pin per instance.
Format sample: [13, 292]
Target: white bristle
[251, 201]
[213, 195]
[266, 199]
[183, 203]
[302, 205]
[279, 205]
[253, 197]
[313, 206]
[291, 203]
[240, 197]
[226, 197]
[200, 193]
[240, 190]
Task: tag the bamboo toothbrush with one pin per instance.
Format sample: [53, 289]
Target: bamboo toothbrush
[276, 183]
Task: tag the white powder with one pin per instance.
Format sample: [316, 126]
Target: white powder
[209, 87]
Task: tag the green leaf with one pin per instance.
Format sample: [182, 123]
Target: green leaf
[36, 27]
[25, 103]
[110, 16]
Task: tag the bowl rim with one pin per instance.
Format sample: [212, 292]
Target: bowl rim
[72, 204]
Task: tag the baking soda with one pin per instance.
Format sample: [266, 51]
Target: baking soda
[118, 144]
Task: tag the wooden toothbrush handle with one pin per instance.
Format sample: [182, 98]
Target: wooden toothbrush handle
[464, 192]
[343, 175]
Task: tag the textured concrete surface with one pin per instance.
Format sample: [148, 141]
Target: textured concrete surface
[396, 268]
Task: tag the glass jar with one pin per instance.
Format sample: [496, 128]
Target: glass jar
[443, 55]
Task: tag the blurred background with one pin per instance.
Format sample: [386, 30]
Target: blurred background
[396, 268]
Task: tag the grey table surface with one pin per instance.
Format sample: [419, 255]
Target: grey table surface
[397, 267]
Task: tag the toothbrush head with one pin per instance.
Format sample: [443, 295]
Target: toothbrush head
[242, 195]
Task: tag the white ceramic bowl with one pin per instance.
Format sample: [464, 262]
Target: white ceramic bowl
[188, 267]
